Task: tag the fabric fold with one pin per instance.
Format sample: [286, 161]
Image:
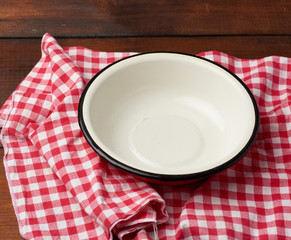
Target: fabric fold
[49, 122]
[61, 188]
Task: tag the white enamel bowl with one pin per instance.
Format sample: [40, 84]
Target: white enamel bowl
[168, 117]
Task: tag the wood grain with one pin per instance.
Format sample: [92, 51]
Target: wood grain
[112, 18]
[245, 29]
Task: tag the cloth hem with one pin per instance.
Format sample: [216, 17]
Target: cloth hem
[20, 226]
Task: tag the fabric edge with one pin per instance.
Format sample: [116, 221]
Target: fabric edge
[5, 148]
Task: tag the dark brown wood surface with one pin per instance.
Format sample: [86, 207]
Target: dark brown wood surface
[80, 18]
[245, 29]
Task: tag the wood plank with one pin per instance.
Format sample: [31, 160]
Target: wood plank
[83, 18]
[18, 56]
[8, 222]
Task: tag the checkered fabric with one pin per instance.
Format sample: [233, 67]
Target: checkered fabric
[61, 189]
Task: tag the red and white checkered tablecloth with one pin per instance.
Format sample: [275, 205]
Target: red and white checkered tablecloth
[61, 189]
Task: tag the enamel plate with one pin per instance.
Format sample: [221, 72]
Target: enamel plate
[168, 117]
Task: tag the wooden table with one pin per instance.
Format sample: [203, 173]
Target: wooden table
[245, 29]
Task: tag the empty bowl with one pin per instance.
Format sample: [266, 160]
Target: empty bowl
[168, 117]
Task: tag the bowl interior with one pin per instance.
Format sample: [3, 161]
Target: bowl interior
[168, 113]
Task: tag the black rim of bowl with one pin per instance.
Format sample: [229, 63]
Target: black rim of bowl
[159, 176]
